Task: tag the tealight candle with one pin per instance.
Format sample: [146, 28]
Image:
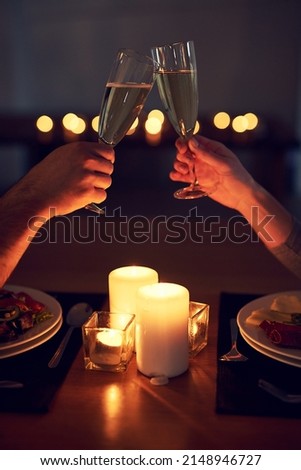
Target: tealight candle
[162, 330]
[108, 340]
[197, 327]
[107, 350]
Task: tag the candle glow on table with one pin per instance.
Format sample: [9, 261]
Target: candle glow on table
[123, 285]
[162, 330]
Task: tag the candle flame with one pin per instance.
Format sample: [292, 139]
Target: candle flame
[109, 338]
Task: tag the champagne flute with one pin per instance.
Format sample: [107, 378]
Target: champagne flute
[178, 89]
[130, 81]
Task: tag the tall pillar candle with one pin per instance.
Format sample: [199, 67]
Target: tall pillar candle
[123, 285]
[162, 329]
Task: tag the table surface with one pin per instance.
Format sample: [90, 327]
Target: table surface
[97, 410]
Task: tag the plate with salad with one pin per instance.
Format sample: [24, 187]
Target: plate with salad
[27, 317]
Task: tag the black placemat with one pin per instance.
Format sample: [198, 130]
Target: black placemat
[31, 367]
[237, 390]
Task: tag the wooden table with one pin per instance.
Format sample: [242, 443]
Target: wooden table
[95, 410]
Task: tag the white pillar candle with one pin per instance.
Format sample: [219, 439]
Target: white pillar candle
[162, 329]
[123, 285]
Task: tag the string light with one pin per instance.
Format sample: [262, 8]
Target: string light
[44, 123]
[221, 120]
[80, 126]
[252, 121]
[240, 124]
[156, 113]
[70, 121]
[74, 123]
[95, 123]
[153, 125]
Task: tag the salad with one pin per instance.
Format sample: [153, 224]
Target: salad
[19, 312]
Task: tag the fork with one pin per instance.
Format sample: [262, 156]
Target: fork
[233, 354]
[279, 392]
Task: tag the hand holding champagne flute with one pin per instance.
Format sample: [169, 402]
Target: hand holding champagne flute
[178, 89]
[130, 81]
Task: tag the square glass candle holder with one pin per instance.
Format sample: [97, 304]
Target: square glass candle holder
[197, 327]
[108, 341]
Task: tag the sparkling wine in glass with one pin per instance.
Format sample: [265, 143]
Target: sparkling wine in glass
[178, 89]
[130, 81]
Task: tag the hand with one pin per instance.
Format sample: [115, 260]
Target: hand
[69, 178]
[218, 170]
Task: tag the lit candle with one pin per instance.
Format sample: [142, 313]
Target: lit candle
[123, 285]
[107, 348]
[162, 329]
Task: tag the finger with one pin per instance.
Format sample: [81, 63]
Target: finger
[176, 176]
[105, 166]
[208, 155]
[102, 181]
[186, 158]
[99, 165]
[209, 145]
[97, 150]
[99, 195]
[182, 168]
[181, 146]
[105, 151]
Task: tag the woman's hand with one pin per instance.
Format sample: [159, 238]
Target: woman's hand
[218, 170]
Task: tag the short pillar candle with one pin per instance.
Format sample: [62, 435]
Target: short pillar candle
[162, 346]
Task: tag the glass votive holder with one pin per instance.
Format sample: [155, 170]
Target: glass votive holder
[197, 327]
[108, 340]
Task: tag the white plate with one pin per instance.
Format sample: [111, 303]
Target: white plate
[256, 334]
[38, 330]
[31, 344]
[272, 355]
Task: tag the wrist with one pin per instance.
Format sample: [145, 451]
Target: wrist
[253, 196]
[270, 220]
[23, 203]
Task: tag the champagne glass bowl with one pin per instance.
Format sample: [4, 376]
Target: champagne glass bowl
[129, 83]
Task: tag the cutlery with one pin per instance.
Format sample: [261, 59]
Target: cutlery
[10, 384]
[233, 354]
[279, 392]
[76, 316]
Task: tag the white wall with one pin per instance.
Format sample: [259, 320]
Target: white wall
[55, 55]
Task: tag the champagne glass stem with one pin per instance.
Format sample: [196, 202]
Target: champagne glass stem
[94, 208]
[193, 191]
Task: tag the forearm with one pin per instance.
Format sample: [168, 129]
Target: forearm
[20, 219]
[269, 219]
[289, 253]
